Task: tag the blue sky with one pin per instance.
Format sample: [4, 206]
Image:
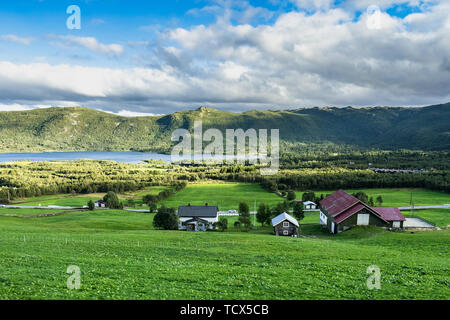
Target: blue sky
[153, 57]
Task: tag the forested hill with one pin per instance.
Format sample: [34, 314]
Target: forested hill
[76, 129]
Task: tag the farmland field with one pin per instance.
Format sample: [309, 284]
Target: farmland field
[225, 195]
[440, 217]
[121, 256]
[82, 199]
[27, 212]
[397, 197]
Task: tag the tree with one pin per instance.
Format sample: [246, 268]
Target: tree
[263, 213]
[150, 198]
[280, 208]
[237, 225]
[291, 195]
[222, 224]
[244, 208]
[299, 213]
[131, 203]
[152, 207]
[380, 200]
[244, 215]
[371, 202]
[362, 196]
[308, 196]
[112, 200]
[166, 219]
[91, 205]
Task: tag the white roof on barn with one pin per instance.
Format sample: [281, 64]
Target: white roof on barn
[284, 216]
[309, 202]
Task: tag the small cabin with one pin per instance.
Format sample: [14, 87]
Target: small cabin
[100, 204]
[285, 225]
[309, 205]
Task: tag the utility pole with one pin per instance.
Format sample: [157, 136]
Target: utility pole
[254, 216]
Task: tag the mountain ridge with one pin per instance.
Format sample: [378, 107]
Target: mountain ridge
[84, 129]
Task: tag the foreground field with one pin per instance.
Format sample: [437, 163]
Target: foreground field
[122, 257]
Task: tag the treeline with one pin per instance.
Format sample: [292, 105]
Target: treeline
[31, 179]
[335, 178]
[311, 156]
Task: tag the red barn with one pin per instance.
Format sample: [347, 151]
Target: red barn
[340, 211]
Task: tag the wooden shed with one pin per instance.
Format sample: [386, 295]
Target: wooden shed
[285, 225]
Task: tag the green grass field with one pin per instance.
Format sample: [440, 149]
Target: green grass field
[225, 195]
[440, 217]
[122, 257]
[27, 212]
[80, 200]
[397, 197]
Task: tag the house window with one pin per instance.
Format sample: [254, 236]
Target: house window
[285, 232]
[285, 224]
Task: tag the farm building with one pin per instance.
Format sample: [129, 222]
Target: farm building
[197, 218]
[100, 204]
[340, 211]
[309, 205]
[285, 225]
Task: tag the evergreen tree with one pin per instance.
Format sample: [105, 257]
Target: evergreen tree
[299, 213]
[166, 219]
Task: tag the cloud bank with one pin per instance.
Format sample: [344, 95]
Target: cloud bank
[319, 56]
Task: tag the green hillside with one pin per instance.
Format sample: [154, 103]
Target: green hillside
[83, 129]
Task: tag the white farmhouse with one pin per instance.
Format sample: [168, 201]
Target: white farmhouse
[197, 218]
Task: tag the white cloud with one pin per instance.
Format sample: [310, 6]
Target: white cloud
[127, 113]
[313, 4]
[93, 44]
[14, 38]
[315, 59]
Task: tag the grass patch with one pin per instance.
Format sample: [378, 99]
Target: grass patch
[226, 196]
[121, 256]
[397, 197]
[440, 217]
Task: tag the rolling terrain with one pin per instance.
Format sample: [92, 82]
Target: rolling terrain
[83, 129]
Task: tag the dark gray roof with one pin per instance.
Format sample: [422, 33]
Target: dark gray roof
[198, 211]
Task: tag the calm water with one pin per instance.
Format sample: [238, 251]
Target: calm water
[128, 157]
[119, 156]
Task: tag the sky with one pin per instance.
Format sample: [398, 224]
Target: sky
[156, 57]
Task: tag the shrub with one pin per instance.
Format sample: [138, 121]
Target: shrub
[91, 205]
[166, 219]
[112, 200]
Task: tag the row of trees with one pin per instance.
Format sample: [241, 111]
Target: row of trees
[152, 200]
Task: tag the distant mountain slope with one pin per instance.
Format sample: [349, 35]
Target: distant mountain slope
[75, 129]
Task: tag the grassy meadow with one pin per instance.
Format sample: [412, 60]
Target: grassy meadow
[225, 195]
[440, 217]
[397, 197]
[121, 256]
[79, 200]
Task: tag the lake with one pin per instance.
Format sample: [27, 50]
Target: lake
[119, 156]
